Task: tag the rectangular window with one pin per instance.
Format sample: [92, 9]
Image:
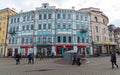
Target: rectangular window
[40, 26]
[44, 39]
[97, 38]
[77, 16]
[13, 28]
[81, 18]
[15, 41]
[32, 27]
[39, 39]
[96, 28]
[83, 40]
[49, 39]
[58, 16]
[86, 18]
[24, 17]
[49, 26]
[49, 16]
[44, 26]
[40, 16]
[28, 18]
[78, 39]
[23, 28]
[17, 28]
[64, 39]
[26, 41]
[69, 26]
[69, 39]
[18, 19]
[22, 40]
[64, 16]
[14, 20]
[27, 27]
[11, 20]
[69, 16]
[58, 38]
[32, 17]
[64, 26]
[45, 16]
[58, 26]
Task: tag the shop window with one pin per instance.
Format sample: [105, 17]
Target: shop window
[60, 51]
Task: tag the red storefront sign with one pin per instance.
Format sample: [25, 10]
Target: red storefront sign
[63, 46]
[82, 46]
[26, 47]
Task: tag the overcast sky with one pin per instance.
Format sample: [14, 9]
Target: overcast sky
[110, 7]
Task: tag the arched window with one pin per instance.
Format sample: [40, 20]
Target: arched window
[96, 20]
[103, 21]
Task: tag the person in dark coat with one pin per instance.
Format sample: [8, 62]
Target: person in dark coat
[17, 57]
[78, 59]
[74, 59]
[113, 60]
[29, 58]
[32, 57]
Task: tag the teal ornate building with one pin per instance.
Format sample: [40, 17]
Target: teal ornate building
[49, 30]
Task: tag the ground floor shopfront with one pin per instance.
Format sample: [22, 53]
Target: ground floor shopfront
[11, 50]
[46, 50]
[104, 48]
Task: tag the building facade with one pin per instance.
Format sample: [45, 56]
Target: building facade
[4, 19]
[117, 38]
[99, 30]
[49, 30]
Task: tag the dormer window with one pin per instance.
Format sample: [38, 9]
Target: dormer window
[45, 6]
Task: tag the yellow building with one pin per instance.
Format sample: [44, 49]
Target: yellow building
[4, 20]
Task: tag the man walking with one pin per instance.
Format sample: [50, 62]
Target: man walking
[113, 59]
[74, 59]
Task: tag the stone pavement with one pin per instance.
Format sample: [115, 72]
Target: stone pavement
[96, 66]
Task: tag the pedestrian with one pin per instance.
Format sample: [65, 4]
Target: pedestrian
[52, 55]
[78, 59]
[32, 57]
[40, 55]
[74, 59]
[29, 58]
[113, 60]
[17, 57]
[48, 54]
